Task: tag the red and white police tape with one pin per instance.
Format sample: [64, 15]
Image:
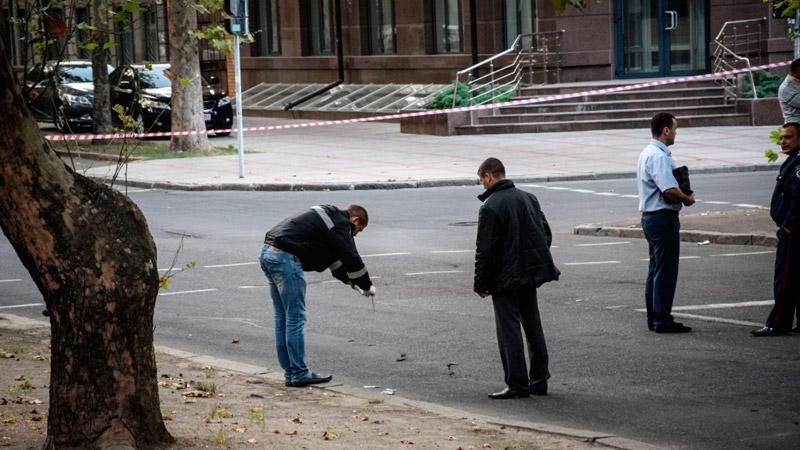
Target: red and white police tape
[430, 112]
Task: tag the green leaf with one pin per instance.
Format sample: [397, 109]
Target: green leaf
[132, 6]
[775, 136]
[185, 82]
[109, 45]
[119, 109]
[191, 264]
[90, 46]
[163, 282]
[771, 155]
[85, 26]
[121, 17]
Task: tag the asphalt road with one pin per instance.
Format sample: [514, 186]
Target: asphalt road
[714, 388]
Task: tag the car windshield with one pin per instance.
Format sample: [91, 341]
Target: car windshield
[74, 74]
[153, 78]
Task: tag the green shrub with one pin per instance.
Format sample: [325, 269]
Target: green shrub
[766, 85]
[444, 99]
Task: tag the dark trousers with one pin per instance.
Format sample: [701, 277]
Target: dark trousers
[514, 312]
[786, 282]
[663, 238]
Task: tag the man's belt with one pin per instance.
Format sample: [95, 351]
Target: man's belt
[661, 212]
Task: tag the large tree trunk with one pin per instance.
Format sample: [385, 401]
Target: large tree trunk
[101, 114]
[88, 249]
[187, 89]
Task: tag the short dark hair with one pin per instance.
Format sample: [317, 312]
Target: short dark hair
[794, 67]
[360, 212]
[659, 122]
[794, 125]
[492, 166]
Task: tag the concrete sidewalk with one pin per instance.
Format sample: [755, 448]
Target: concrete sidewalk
[377, 155]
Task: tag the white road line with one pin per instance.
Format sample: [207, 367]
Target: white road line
[253, 287]
[557, 188]
[583, 191]
[689, 257]
[714, 202]
[11, 280]
[27, 305]
[411, 274]
[724, 305]
[607, 194]
[748, 205]
[590, 263]
[174, 269]
[196, 291]
[386, 254]
[719, 319]
[216, 266]
[452, 251]
[629, 196]
[601, 244]
[769, 252]
[134, 191]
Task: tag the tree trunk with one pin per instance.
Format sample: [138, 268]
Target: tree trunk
[187, 89]
[101, 113]
[89, 251]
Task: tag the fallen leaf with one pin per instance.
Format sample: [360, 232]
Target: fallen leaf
[252, 441]
[200, 394]
[38, 357]
[34, 402]
[291, 433]
[20, 378]
[9, 421]
[364, 418]
[36, 419]
[276, 431]
[6, 355]
[240, 429]
[407, 442]
[235, 341]
[451, 438]
[328, 436]
[296, 420]
[486, 446]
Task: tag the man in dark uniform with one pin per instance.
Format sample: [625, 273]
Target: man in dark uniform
[318, 239]
[512, 260]
[785, 211]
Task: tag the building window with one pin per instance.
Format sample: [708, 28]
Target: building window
[380, 25]
[520, 18]
[84, 36]
[447, 26]
[267, 19]
[317, 27]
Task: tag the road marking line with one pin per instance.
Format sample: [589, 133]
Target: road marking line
[452, 251]
[27, 305]
[174, 269]
[682, 257]
[770, 252]
[253, 287]
[719, 319]
[134, 191]
[583, 191]
[11, 280]
[748, 205]
[534, 186]
[724, 305]
[714, 202]
[216, 266]
[600, 244]
[590, 263]
[433, 273]
[608, 194]
[557, 188]
[629, 196]
[196, 291]
[386, 254]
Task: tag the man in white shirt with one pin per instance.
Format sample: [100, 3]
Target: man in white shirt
[789, 94]
[660, 199]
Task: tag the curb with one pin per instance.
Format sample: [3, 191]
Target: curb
[94, 156]
[416, 184]
[756, 238]
[14, 322]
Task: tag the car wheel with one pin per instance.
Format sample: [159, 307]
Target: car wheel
[60, 120]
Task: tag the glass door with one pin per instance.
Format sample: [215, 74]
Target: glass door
[660, 37]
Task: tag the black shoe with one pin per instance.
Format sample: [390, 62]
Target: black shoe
[650, 326]
[672, 327]
[313, 378]
[767, 332]
[796, 329]
[539, 388]
[509, 393]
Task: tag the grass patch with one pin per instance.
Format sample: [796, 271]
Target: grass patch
[206, 386]
[140, 149]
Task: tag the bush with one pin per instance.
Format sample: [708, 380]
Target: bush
[444, 99]
[766, 85]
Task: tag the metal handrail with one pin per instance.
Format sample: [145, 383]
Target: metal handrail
[499, 81]
[726, 51]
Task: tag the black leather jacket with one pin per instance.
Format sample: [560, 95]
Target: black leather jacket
[513, 244]
[322, 238]
[785, 205]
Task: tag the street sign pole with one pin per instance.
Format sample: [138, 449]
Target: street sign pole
[238, 87]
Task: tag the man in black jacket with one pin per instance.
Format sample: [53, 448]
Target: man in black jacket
[512, 260]
[785, 212]
[318, 239]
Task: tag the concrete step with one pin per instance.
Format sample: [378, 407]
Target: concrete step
[665, 104]
[553, 89]
[703, 91]
[606, 124]
[679, 112]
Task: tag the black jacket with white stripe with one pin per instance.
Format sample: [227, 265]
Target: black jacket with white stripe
[322, 238]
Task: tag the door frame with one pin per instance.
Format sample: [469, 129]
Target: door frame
[664, 42]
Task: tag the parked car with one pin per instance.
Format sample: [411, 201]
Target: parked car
[62, 93]
[145, 93]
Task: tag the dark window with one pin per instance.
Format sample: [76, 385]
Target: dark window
[124, 37]
[380, 26]
[151, 34]
[267, 27]
[317, 27]
[520, 18]
[84, 36]
[447, 26]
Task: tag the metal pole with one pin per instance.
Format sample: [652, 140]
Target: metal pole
[238, 87]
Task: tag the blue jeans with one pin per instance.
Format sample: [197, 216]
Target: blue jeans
[287, 287]
[663, 238]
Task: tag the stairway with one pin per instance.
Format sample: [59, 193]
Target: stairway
[695, 104]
